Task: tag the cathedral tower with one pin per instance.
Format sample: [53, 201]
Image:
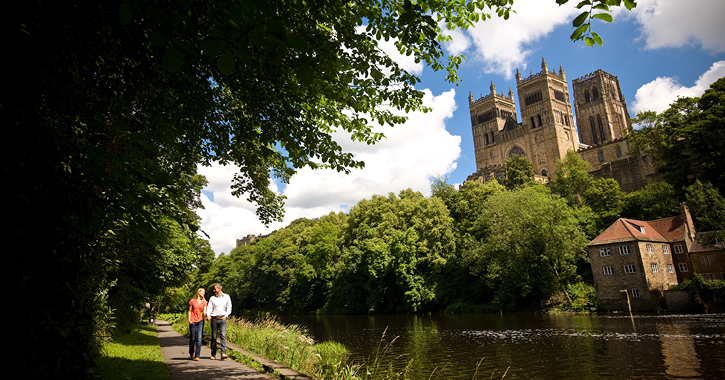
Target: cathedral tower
[601, 110]
[546, 112]
[489, 115]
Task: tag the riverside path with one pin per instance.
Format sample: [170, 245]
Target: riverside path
[175, 349]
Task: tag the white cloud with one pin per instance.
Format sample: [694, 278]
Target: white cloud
[676, 23]
[502, 44]
[661, 92]
[409, 157]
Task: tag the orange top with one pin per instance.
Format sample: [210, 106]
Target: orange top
[197, 310]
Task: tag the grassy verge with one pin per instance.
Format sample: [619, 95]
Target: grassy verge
[133, 355]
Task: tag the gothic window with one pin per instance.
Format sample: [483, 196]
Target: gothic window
[533, 125]
[601, 129]
[619, 152]
[543, 172]
[516, 151]
[538, 118]
[558, 95]
[600, 154]
[586, 96]
[485, 139]
[595, 93]
[594, 130]
[492, 140]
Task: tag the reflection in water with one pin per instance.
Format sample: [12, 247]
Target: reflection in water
[678, 350]
[543, 346]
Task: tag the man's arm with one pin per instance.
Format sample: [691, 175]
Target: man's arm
[228, 308]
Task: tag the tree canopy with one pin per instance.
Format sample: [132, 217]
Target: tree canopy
[687, 140]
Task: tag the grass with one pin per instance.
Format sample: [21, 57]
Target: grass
[133, 355]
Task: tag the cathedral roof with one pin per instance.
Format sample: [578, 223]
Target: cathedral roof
[622, 230]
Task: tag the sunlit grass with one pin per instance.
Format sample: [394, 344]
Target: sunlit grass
[133, 355]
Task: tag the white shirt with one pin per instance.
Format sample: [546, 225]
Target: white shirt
[219, 306]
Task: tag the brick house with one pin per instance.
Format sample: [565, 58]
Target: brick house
[641, 259]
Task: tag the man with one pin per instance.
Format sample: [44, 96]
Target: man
[218, 310]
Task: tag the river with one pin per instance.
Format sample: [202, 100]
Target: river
[532, 345]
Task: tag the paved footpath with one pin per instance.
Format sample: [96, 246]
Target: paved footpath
[175, 349]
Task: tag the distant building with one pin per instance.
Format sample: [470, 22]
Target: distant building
[548, 130]
[641, 258]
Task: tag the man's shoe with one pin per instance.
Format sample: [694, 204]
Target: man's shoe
[212, 358]
[224, 357]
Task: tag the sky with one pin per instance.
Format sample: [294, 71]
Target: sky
[660, 50]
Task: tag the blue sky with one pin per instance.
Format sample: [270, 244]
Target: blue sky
[661, 50]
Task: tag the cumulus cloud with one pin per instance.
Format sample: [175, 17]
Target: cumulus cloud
[409, 157]
[661, 92]
[677, 23]
[502, 45]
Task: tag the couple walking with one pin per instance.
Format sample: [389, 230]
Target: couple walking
[217, 310]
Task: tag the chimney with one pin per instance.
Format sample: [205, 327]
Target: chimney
[687, 221]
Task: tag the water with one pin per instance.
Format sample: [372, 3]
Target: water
[533, 345]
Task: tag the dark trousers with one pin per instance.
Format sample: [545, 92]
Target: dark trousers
[218, 328]
[196, 330]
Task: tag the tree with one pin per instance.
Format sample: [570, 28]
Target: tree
[606, 200]
[394, 249]
[686, 141]
[519, 172]
[531, 246]
[572, 178]
[708, 209]
[112, 105]
[655, 201]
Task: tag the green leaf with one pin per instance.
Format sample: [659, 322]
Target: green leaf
[562, 2]
[212, 48]
[159, 38]
[172, 60]
[579, 20]
[589, 41]
[604, 17]
[583, 3]
[579, 31]
[597, 39]
[226, 63]
[629, 4]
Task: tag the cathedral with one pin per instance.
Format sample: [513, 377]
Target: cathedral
[548, 129]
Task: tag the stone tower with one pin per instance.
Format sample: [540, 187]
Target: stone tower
[546, 110]
[546, 133]
[488, 116]
[601, 110]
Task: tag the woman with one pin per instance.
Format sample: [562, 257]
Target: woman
[197, 311]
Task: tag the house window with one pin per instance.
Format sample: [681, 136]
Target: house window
[670, 268]
[666, 249]
[600, 155]
[619, 152]
[707, 261]
[678, 248]
[655, 268]
[608, 271]
[650, 249]
[629, 268]
[682, 266]
[624, 250]
[605, 252]
[635, 293]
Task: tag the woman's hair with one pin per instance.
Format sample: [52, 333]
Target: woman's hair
[197, 296]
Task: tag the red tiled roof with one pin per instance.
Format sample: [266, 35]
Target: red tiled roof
[629, 229]
[672, 228]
